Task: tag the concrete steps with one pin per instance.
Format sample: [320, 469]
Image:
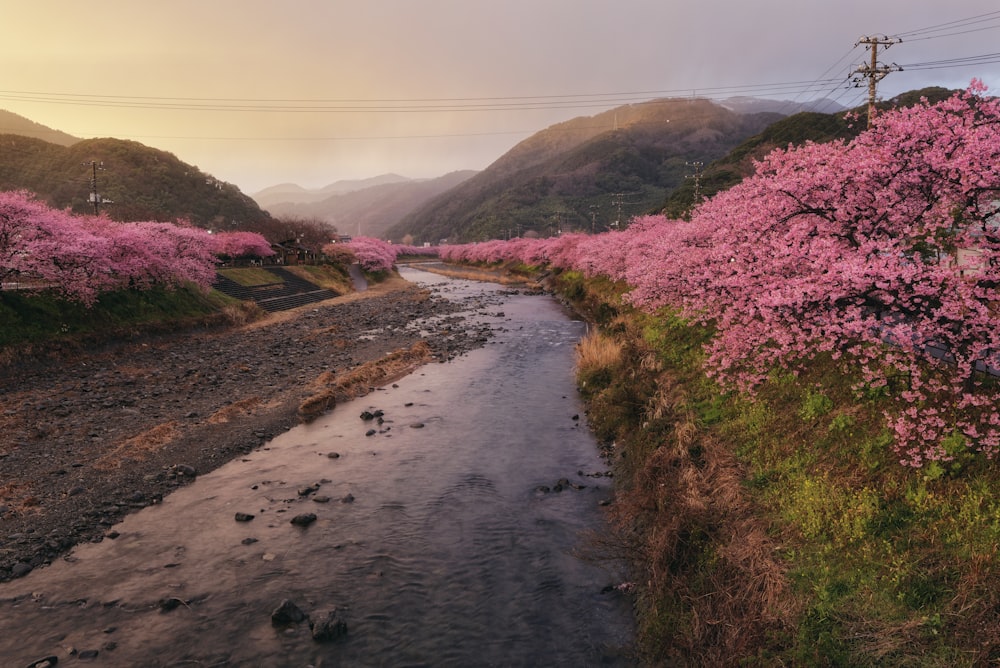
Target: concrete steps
[287, 292]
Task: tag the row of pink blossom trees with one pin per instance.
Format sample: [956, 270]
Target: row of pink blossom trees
[81, 257]
[882, 252]
[376, 255]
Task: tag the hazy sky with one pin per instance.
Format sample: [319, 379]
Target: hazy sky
[261, 92]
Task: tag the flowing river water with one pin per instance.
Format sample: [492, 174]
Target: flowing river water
[453, 532]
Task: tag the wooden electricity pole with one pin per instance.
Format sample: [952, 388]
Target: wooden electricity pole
[697, 178]
[95, 198]
[873, 71]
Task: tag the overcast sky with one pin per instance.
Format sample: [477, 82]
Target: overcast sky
[261, 92]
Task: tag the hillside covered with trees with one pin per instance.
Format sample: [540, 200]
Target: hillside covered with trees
[134, 181]
[795, 130]
[589, 173]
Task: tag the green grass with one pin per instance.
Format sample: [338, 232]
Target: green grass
[251, 276]
[884, 565]
[40, 318]
[332, 277]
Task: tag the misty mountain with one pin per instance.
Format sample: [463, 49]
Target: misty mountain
[589, 173]
[290, 193]
[754, 105]
[372, 210]
[11, 123]
[142, 183]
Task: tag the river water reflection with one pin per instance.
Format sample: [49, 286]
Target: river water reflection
[435, 537]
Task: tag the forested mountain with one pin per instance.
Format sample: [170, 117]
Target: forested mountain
[589, 173]
[372, 210]
[135, 182]
[793, 130]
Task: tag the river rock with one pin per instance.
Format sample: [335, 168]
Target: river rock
[348, 499]
[183, 470]
[19, 569]
[244, 517]
[47, 662]
[329, 627]
[304, 520]
[287, 613]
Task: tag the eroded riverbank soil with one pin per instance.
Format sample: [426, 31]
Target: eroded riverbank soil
[87, 439]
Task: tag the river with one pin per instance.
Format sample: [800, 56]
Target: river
[451, 529]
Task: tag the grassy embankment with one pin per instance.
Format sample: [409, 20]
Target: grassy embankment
[780, 530]
[30, 323]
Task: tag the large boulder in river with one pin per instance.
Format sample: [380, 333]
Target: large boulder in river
[329, 626]
[287, 614]
[303, 520]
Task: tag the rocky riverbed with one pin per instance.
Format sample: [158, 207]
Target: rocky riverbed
[90, 437]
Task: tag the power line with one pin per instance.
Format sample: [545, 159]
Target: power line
[923, 33]
[502, 103]
[967, 61]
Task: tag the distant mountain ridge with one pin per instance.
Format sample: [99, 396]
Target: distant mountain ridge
[358, 210]
[588, 173]
[11, 123]
[743, 104]
[291, 193]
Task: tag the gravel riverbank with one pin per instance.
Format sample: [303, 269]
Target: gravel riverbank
[87, 439]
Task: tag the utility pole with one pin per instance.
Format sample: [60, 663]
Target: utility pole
[873, 71]
[618, 204]
[697, 178]
[94, 197]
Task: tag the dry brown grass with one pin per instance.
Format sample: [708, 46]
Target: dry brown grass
[242, 313]
[596, 351]
[330, 388]
[714, 583]
[501, 276]
[239, 408]
[139, 446]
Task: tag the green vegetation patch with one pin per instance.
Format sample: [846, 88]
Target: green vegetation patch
[330, 276]
[875, 563]
[40, 318]
[251, 276]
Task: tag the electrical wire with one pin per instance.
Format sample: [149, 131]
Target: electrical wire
[424, 105]
[924, 33]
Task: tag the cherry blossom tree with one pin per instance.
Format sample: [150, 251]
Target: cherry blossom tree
[81, 257]
[373, 254]
[241, 244]
[852, 249]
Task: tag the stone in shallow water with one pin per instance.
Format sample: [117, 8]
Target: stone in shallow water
[287, 613]
[329, 627]
[304, 520]
[47, 662]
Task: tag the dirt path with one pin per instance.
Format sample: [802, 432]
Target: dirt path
[86, 440]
